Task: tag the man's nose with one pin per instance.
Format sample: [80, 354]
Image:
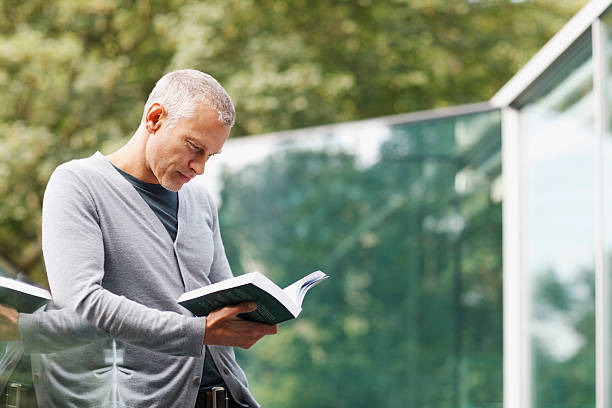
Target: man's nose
[198, 166]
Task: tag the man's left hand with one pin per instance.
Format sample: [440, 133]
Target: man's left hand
[9, 328]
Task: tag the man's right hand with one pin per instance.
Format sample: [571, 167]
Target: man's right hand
[225, 328]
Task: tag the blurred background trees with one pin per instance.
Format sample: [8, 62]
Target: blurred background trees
[75, 75]
[74, 79]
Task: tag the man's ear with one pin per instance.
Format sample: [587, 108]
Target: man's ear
[155, 117]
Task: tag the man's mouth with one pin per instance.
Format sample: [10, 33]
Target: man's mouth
[184, 177]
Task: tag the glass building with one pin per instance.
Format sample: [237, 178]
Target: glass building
[469, 248]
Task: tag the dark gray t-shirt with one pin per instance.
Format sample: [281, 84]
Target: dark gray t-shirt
[164, 204]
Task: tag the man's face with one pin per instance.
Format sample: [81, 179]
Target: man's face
[177, 155]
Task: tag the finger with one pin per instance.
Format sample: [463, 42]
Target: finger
[244, 307]
[262, 329]
[9, 313]
[267, 330]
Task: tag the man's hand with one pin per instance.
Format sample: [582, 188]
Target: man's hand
[9, 329]
[225, 328]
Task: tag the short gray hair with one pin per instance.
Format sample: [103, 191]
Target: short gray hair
[180, 92]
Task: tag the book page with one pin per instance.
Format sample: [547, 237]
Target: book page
[297, 290]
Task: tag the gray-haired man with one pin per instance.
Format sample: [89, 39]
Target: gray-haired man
[123, 237]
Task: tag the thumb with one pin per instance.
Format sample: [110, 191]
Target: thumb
[244, 307]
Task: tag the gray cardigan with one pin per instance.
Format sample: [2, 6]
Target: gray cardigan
[111, 263]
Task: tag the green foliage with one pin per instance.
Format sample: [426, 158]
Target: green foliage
[75, 75]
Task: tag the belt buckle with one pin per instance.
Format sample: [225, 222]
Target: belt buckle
[220, 398]
[13, 395]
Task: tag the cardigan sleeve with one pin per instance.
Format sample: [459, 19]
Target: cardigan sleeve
[53, 330]
[73, 250]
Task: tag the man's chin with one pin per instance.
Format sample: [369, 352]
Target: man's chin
[176, 186]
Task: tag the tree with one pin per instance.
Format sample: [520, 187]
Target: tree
[75, 75]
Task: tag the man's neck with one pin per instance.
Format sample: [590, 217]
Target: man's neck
[131, 158]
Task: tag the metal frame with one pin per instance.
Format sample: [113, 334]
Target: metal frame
[517, 350]
[517, 368]
[550, 53]
[602, 284]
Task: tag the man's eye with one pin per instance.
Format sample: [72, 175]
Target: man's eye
[193, 147]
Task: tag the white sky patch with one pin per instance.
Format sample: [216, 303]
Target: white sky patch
[559, 182]
[559, 339]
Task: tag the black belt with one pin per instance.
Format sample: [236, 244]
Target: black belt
[217, 397]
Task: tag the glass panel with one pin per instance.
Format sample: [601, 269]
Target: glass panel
[406, 219]
[559, 232]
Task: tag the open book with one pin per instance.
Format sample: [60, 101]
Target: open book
[275, 305]
[19, 295]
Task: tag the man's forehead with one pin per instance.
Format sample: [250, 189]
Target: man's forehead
[212, 136]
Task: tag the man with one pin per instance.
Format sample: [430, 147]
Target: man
[123, 237]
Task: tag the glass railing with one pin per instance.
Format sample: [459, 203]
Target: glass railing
[406, 220]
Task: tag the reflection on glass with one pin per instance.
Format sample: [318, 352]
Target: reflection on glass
[406, 219]
[559, 232]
